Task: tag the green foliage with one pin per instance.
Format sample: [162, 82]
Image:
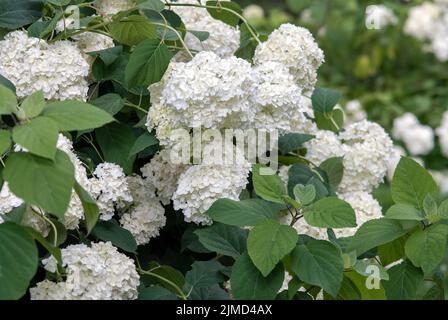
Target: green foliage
[268, 185]
[331, 212]
[8, 101]
[111, 231]
[222, 239]
[18, 13]
[222, 11]
[132, 30]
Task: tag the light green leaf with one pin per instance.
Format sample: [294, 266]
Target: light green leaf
[76, 115]
[443, 209]
[147, 63]
[319, 263]
[268, 243]
[331, 212]
[132, 30]
[91, 210]
[267, 184]
[222, 239]
[5, 141]
[404, 281]
[8, 101]
[304, 194]
[248, 283]
[33, 105]
[248, 212]
[18, 261]
[426, 248]
[39, 136]
[411, 183]
[404, 211]
[41, 182]
[120, 237]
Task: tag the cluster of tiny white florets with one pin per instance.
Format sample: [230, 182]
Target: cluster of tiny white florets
[111, 7]
[8, 200]
[418, 138]
[91, 42]
[223, 39]
[110, 189]
[294, 47]
[354, 112]
[442, 133]
[380, 15]
[429, 22]
[98, 272]
[146, 216]
[326, 144]
[31, 64]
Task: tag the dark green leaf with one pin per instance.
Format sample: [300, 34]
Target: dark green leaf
[110, 231]
[156, 293]
[292, 141]
[223, 239]
[146, 140]
[132, 30]
[225, 11]
[324, 100]
[91, 210]
[112, 103]
[15, 14]
[404, 281]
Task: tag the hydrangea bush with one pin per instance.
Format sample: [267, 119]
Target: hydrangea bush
[94, 206]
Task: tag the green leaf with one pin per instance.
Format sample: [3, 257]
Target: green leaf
[331, 212]
[5, 141]
[41, 182]
[155, 5]
[39, 136]
[91, 210]
[8, 101]
[132, 30]
[120, 237]
[404, 280]
[366, 293]
[302, 174]
[332, 121]
[203, 274]
[411, 183]
[6, 83]
[112, 103]
[267, 184]
[156, 293]
[324, 100]
[374, 233]
[268, 243]
[248, 283]
[226, 240]
[15, 14]
[404, 211]
[15, 215]
[116, 141]
[18, 261]
[146, 140]
[201, 35]
[319, 263]
[362, 267]
[225, 15]
[304, 194]
[334, 168]
[54, 251]
[426, 248]
[292, 141]
[147, 63]
[108, 56]
[392, 251]
[59, 2]
[248, 212]
[33, 105]
[167, 272]
[443, 209]
[76, 115]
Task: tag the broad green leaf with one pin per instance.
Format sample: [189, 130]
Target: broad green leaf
[6, 83]
[203, 274]
[249, 284]
[8, 101]
[112, 103]
[292, 141]
[430, 209]
[201, 35]
[214, 292]
[332, 121]
[33, 105]
[324, 100]
[116, 141]
[18, 261]
[374, 233]
[120, 237]
[91, 210]
[302, 174]
[319, 263]
[402, 211]
[132, 30]
[54, 251]
[146, 140]
[156, 293]
[108, 56]
[331, 212]
[267, 184]
[362, 267]
[167, 272]
[411, 183]
[41, 182]
[426, 248]
[334, 168]
[268, 243]
[222, 239]
[392, 251]
[360, 281]
[61, 233]
[15, 215]
[15, 14]
[147, 63]
[113, 72]
[248, 212]
[39, 136]
[225, 11]
[76, 115]
[443, 209]
[304, 194]
[5, 141]
[404, 280]
[59, 2]
[155, 5]
[190, 241]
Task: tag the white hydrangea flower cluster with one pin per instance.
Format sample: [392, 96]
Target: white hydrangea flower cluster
[31, 64]
[429, 22]
[418, 138]
[223, 40]
[354, 112]
[111, 7]
[382, 15]
[146, 216]
[8, 200]
[294, 47]
[442, 134]
[91, 41]
[98, 272]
